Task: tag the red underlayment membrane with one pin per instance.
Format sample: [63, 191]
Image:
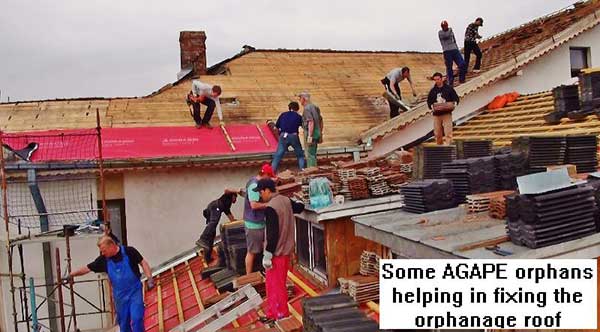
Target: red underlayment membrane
[144, 142]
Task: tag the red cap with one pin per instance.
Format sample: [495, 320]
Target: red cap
[267, 170]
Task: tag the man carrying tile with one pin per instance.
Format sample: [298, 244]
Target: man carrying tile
[393, 78]
[471, 36]
[280, 242]
[212, 214]
[207, 95]
[442, 99]
[254, 217]
[288, 124]
[451, 54]
[312, 124]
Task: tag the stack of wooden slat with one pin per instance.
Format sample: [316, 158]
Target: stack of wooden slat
[369, 263]
[358, 187]
[361, 288]
[482, 202]
[255, 279]
[498, 207]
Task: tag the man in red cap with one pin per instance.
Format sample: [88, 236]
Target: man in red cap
[254, 216]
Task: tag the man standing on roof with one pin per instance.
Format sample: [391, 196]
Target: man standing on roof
[442, 99]
[212, 213]
[312, 124]
[121, 264]
[288, 124]
[471, 36]
[254, 217]
[207, 95]
[451, 54]
[281, 225]
[393, 78]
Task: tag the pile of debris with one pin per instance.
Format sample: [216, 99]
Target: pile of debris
[336, 312]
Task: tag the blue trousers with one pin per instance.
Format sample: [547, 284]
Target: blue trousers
[291, 140]
[451, 57]
[130, 312]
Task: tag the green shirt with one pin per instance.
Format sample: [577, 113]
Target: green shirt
[253, 196]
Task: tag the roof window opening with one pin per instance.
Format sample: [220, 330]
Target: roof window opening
[580, 57]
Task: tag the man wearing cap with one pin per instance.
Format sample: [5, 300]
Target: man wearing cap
[471, 36]
[280, 229]
[212, 214]
[207, 95]
[288, 124]
[393, 78]
[312, 123]
[451, 54]
[254, 217]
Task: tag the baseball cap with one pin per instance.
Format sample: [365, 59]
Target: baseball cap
[267, 170]
[265, 184]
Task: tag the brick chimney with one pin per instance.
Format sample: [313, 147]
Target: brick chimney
[193, 51]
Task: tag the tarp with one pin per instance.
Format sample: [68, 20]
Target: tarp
[144, 142]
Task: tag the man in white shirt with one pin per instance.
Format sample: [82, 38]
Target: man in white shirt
[207, 95]
[393, 79]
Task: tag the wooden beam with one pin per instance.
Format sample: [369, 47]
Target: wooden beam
[194, 286]
[177, 297]
[301, 284]
[262, 134]
[228, 138]
[161, 322]
[484, 243]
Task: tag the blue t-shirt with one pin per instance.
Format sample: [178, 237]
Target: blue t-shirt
[289, 122]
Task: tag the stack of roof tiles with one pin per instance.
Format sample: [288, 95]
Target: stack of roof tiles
[335, 313]
[590, 92]
[566, 103]
[377, 184]
[340, 181]
[434, 157]
[234, 244]
[508, 167]
[553, 217]
[470, 176]
[428, 195]
[542, 151]
[582, 152]
[358, 187]
[474, 148]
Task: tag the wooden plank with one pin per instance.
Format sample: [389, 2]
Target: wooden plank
[301, 284]
[194, 286]
[485, 243]
[161, 322]
[177, 296]
[262, 134]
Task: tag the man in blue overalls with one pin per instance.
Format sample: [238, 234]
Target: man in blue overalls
[121, 264]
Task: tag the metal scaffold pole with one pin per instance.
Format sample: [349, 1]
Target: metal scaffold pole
[101, 166]
[71, 284]
[61, 309]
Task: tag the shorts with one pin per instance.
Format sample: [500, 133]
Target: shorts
[255, 240]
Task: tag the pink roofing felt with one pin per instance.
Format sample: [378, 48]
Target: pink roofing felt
[144, 142]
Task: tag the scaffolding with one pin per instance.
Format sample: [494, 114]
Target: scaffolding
[45, 162]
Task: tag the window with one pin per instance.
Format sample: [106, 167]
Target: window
[310, 247]
[116, 215]
[579, 59]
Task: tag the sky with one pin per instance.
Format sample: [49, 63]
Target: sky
[108, 48]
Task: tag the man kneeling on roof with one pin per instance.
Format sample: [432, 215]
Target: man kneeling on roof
[280, 241]
[121, 264]
[207, 95]
[212, 214]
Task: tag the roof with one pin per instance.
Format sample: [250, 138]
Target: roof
[257, 86]
[525, 116]
[180, 294]
[454, 234]
[145, 142]
[507, 52]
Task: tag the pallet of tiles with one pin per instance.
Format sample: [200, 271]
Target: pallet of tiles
[482, 202]
[369, 263]
[361, 288]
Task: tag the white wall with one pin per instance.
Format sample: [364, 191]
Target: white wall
[164, 208]
[543, 74]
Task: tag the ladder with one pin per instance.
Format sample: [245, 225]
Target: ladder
[223, 312]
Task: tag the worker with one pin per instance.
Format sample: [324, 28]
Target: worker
[288, 124]
[207, 95]
[254, 217]
[471, 36]
[451, 54]
[442, 118]
[212, 213]
[280, 241]
[312, 124]
[121, 264]
[393, 78]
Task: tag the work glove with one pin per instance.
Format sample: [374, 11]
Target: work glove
[150, 283]
[267, 260]
[309, 140]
